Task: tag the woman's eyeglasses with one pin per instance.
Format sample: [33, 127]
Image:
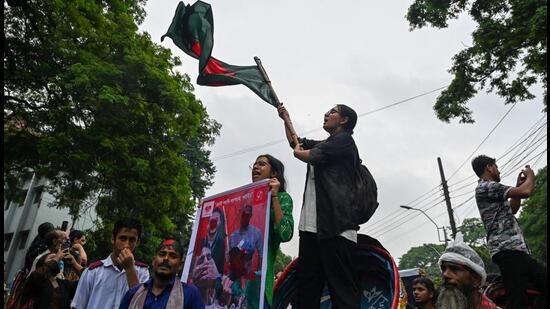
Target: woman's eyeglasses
[259, 164]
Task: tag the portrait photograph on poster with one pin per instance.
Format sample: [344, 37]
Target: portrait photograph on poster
[227, 253]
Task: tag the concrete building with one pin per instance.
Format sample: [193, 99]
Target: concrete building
[21, 222]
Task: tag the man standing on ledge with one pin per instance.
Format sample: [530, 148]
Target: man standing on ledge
[497, 205]
[328, 226]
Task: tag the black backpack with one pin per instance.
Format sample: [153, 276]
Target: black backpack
[366, 194]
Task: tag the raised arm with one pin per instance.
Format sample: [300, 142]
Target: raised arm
[524, 188]
[290, 133]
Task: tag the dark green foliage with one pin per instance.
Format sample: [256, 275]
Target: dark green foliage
[97, 108]
[281, 261]
[424, 257]
[473, 232]
[533, 218]
[508, 54]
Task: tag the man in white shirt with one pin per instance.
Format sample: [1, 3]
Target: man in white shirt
[104, 283]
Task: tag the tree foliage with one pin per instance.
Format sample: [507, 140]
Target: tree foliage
[281, 261]
[97, 108]
[508, 54]
[533, 218]
[473, 232]
[426, 257]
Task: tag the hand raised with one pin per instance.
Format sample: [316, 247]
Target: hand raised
[125, 259]
[275, 185]
[283, 113]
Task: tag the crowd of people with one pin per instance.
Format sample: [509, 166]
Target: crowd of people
[56, 273]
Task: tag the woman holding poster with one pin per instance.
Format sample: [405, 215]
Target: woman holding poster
[281, 223]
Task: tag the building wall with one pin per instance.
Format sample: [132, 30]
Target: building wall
[22, 221]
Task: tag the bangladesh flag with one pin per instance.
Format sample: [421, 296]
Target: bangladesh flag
[192, 30]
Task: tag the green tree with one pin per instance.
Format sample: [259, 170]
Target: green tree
[533, 218]
[97, 108]
[281, 261]
[508, 53]
[424, 257]
[473, 231]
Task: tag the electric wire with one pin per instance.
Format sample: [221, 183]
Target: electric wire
[249, 149]
[483, 141]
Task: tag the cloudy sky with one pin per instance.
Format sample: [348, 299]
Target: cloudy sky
[360, 53]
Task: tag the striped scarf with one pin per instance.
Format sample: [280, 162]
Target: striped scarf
[175, 300]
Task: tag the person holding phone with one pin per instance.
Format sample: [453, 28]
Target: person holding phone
[54, 241]
[497, 204]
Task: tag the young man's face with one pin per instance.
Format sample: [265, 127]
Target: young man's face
[421, 294]
[494, 172]
[126, 238]
[167, 262]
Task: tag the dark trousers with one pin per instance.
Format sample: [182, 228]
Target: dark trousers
[330, 261]
[518, 269]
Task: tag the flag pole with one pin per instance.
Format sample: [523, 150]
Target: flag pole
[286, 118]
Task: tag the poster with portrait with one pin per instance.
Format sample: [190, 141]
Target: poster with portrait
[227, 254]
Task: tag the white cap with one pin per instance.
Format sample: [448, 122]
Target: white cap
[460, 253]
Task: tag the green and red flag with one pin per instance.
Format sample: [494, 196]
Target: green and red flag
[192, 30]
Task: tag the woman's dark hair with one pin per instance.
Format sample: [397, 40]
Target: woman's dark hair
[428, 284]
[38, 244]
[346, 111]
[278, 168]
[75, 234]
[44, 228]
[221, 226]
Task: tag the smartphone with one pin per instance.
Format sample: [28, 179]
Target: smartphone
[66, 245]
[64, 225]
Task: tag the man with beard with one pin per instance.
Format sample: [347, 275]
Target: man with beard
[497, 205]
[247, 237]
[463, 273]
[164, 290]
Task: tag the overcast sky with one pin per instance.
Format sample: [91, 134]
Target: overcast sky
[362, 54]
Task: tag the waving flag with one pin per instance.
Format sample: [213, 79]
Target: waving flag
[192, 31]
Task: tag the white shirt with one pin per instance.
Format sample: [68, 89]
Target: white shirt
[104, 287]
[308, 216]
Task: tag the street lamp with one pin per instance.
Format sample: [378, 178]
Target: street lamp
[425, 214]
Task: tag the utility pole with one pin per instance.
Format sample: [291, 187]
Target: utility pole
[447, 197]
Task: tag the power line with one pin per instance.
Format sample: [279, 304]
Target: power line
[400, 224]
[517, 143]
[395, 225]
[394, 219]
[253, 148]
[482, 142]
[384, 220]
